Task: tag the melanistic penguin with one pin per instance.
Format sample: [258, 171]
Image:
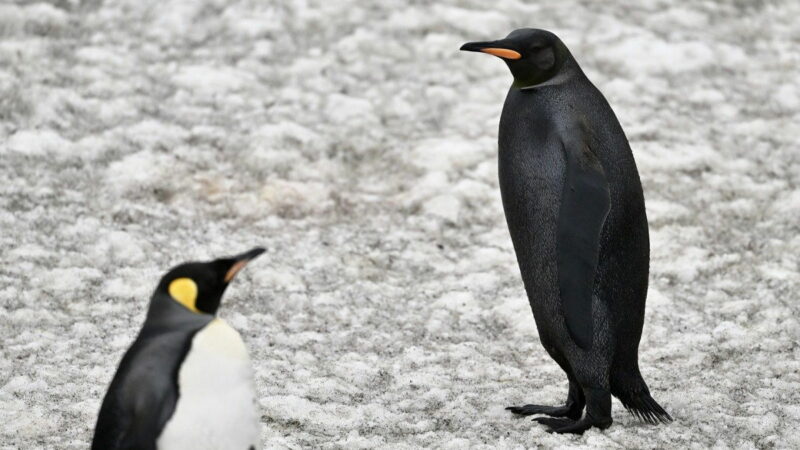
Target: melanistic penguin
[575, 210]
[186, 382]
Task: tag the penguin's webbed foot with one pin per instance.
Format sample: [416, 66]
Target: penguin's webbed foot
[554, 423]
[552, 411]
[569, 426]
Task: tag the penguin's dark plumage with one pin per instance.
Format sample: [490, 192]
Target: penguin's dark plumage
[145, 391]
[575, 210]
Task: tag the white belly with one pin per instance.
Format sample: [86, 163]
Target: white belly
[217, 403]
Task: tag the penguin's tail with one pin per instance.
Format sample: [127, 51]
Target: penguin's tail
[635, 397]
[645, 408]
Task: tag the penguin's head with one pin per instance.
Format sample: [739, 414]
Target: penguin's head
[533, 56]
[199, 286]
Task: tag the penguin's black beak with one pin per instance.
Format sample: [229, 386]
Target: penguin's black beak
[501, 48]
[241, 260]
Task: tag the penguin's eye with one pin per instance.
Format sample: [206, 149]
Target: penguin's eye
[184, 291]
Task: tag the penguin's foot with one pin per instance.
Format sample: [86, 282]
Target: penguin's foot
[563, 426]
[554, 423]
[598, 414]
[552, 411]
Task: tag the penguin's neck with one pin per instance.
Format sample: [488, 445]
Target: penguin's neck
[567, 71]
[530, 83]
[166, 313]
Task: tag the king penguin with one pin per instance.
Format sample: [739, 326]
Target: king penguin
[186, 382]
[575, 211]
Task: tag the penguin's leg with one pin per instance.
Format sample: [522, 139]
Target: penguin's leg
[598, 414]
[592, 370]
[575, 398]
[572, 409]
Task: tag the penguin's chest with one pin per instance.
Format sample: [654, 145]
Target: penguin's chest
[216, 406]
[531, 163]
[531, 175]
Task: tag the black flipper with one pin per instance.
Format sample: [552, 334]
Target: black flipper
[585, 202]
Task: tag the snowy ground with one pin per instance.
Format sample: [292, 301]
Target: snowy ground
[359, 146]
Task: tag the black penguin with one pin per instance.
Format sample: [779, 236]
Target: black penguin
[186, 382]
[575, 210]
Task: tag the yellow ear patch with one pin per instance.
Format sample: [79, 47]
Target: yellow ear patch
[184, 291]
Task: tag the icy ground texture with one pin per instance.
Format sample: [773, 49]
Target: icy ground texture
[359, 146]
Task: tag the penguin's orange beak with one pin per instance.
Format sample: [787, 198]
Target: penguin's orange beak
[493, 48]
[503, 53]
[240, 261]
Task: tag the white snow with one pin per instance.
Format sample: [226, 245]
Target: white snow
[444, 206]
[211, 80]
[37, 142]
[358, 145]
[139, 171]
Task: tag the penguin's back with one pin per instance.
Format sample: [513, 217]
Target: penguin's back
[216, 407]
